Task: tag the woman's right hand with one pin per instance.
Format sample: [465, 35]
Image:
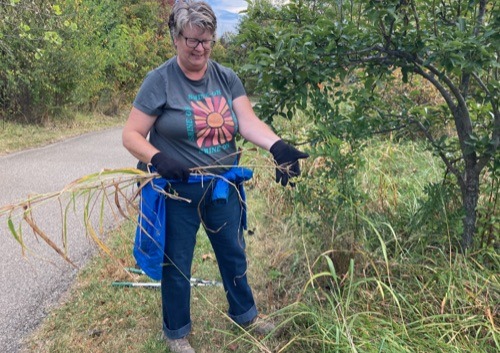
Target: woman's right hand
[169, 167]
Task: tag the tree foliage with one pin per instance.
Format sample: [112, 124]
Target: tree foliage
[337, 60]
[76, 53]
[27, 30]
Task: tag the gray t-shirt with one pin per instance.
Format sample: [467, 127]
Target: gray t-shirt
[195, 121]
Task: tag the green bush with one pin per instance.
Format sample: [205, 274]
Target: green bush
[88, 54]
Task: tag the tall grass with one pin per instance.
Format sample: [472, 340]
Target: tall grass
[373, 281]
[433, 303]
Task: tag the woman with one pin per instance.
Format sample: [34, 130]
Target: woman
[192, 108]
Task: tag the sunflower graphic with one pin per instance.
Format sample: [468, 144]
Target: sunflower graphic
[213, 121]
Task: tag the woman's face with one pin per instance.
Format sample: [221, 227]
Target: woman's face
[194, 59]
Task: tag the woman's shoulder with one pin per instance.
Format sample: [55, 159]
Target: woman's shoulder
[227, 76]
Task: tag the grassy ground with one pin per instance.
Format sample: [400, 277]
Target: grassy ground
[16, 136]
[99, 317]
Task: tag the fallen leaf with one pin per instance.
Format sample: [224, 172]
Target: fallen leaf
[206, 257]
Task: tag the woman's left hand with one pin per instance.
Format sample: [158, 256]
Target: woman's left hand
[287, 161]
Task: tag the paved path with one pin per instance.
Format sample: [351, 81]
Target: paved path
[30, 285]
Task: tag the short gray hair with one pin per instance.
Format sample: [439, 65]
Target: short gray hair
[190, 13]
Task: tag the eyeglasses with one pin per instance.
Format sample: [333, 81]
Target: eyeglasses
[194, 42]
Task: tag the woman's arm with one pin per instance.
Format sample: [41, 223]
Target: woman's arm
[134, 135]
[251, 127]
[256, 131]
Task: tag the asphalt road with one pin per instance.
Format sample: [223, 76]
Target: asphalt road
[32, 284]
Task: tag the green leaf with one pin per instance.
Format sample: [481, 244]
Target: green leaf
[462, 24]
[14, 232]
[52, 37]
[57, 10]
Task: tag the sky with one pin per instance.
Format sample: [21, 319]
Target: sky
[227, 14]
[229, 5]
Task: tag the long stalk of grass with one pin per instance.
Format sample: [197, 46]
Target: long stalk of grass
[109, 189]
[94, 189]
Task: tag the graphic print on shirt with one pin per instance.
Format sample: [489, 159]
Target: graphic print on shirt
[214, 124]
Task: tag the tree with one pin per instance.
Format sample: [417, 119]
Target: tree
[77, 53]
[453, 45]
[28, 29]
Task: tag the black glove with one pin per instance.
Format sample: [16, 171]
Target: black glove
[287, 161]
[169, 168]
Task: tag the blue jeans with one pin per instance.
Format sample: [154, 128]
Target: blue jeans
[222, 223]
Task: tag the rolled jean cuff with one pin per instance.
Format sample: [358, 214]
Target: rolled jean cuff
[245, 317]
[176, 334]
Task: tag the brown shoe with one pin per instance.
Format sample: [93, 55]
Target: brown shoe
[180, 345]
[260, 326]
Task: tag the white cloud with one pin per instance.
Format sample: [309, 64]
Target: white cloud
[227, 14]
[228, 5]
[235, 6]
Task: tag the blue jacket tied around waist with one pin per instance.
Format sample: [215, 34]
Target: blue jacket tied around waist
[150, 234]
